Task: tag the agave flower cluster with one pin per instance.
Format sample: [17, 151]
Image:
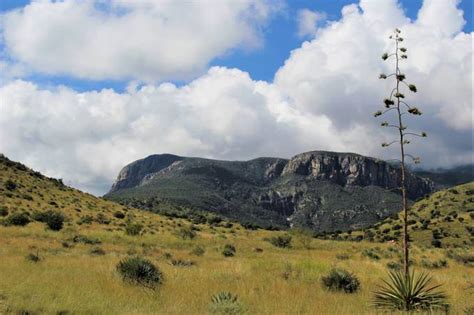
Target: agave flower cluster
[396, 101]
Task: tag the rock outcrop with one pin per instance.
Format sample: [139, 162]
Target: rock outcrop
[325, 191]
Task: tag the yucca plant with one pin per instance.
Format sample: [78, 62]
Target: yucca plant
[409, 293]
[225, 303]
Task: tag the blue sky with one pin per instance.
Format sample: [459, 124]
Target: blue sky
[280, 38]
[224, 79]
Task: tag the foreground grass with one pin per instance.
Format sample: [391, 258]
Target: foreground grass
[71, 277]
[275, 281]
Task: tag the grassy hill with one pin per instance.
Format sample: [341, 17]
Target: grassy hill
[76, 271]
[442, 219]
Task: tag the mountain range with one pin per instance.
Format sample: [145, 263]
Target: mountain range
[323, 191]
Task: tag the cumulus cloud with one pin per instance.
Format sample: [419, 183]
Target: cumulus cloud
[121, 39]
[307, 22]
[322, 98]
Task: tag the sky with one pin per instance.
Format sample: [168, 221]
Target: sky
[87, 87]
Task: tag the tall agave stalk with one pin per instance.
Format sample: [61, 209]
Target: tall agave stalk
[395, 104]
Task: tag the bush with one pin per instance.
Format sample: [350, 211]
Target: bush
[85, 240]
[10, 185]
[186, 233]
[133, 228]
[3, 212]
[53, 219]
[371, 253]
[18, 218]
[198, 251]
[282, 241]
[96, 250]
[225, 303]
[181, 263]
[119, 214]
[441, 263]
[342, 256]
[140, 271]
[33, 257]
[101, 218]
[393, 265]
[436, 243]
[229, 250]
[86, 219]
[341, 280]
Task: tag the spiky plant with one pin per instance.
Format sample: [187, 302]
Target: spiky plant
[396, 104]
[225, 303]
[409, 293]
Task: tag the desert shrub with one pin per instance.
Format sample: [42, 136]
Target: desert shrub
[53, 219]
[214, 219]
[3, 212]
[229, 250]
[370, 253]
[198, 251]
[249, 226]
[133, 229]
[282, 241]
[33, 257]
[18, 218]
[342, 256]
[435, 264]
[461, 256]
[341, 280]
[85, 219]
[140, 271]
[96, 250]
[303, 237]
[86, 240]
[181, 263]
[119, 214]
[10, 185]
[186, 233]
[436, 243]
[101, 218]
[225, 303]
[393, 265]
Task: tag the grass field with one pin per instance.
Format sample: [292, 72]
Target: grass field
[73, 277]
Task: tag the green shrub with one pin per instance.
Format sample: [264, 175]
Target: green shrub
[393, 265]
[181, 263]
[133, 228]
[18, 218]
[86, 240]
[3, 212]
[282, 241]
[140, 271]
[198, 251]
[186, 233]
[119, 214]
[225, 303]
[101, 218]
[33, 257]
[370, 253]
[341, 280]
[53, 219]
[96, 250]
[85, 219]
[229, 250]
[342, 256]
[10, 185]
[435, 264]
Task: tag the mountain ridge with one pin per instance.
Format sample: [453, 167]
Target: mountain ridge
[323, 190]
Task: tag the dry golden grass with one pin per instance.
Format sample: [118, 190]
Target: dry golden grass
[274, 281]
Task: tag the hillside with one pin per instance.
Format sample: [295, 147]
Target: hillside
[449, 177]
[76, 271]
[323, 191]
[442, 219]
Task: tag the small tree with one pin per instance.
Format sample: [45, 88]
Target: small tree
[404, 291]
[396, 104]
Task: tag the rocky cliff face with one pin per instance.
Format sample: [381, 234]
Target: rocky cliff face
[326, 191]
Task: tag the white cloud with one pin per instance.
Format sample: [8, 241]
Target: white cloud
[121, 39]
[321, 98]
[308, 21]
